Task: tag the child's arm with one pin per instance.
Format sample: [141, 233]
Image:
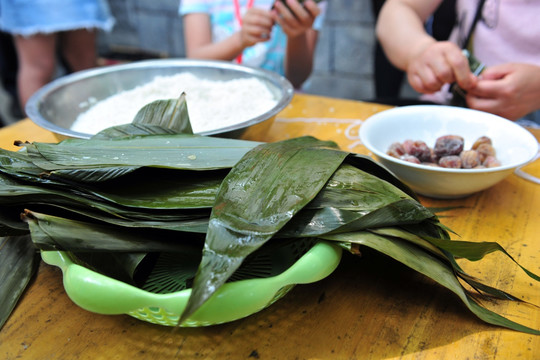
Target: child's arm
[297, 19]
[257, 24]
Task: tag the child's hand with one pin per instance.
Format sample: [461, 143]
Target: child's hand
[509, 90]
[256, 26]
[437, 64]
[297, 18]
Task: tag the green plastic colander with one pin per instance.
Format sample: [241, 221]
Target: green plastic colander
[262, 280]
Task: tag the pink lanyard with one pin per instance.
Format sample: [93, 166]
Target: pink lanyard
[238, 16]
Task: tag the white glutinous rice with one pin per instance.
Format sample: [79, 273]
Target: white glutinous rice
[212, 104]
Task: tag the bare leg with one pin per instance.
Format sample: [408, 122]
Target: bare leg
[37, 63]
[79, 49]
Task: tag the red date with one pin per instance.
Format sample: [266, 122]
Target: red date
[448, 145]
[450, 161]
[448, 152]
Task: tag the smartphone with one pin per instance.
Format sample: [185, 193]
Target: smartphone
[300, 1]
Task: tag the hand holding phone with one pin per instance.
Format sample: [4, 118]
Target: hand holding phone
[300, 1]
[295, 18]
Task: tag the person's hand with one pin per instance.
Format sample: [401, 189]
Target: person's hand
[437, 64]
[508, 90]
[297, 18]
[256, 26]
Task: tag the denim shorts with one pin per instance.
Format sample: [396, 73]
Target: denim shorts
[29, 17]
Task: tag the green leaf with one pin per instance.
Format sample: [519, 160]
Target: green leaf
[398, 233]
[264, 190]
[447, 250]
[428, 265]
[352, 188]
[130, 268]
[161, 189]
[475, 251]
[142, 188]
[369, 165]
[159, 117]
[19, 261]
[354, 200]
[56, 233]
[176, 151]
[170, 114]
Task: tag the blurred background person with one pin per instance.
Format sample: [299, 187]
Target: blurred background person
[43, 29]
[501, 34]
[388, 78]
[274, 35]
[9, 103]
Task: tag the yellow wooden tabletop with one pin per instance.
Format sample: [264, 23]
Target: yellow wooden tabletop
[370, 308]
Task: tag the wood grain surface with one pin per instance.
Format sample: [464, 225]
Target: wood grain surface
[370, 308]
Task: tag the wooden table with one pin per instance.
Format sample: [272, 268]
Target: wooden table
[369, 308]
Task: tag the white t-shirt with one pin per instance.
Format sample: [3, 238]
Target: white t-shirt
[508, 30]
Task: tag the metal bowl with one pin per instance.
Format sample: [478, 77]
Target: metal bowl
[57, 105]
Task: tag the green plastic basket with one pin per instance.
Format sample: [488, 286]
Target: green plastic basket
[265, 278]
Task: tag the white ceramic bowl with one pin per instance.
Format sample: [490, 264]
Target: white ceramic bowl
[515, 146]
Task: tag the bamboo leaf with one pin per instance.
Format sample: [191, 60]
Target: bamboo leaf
[161, 189]
[55, 233]
[177, 151]
[91, 175]
[159, 117]
[264, 190]
[34, 196]
[132, 130]
[447, 253]
[10, 222]
[369, 165]
[475, 251]
[170, 114]
[421, 261]
[314, 222]
[352, 188]
[489, 290]
[19, 261]
[18, 164]
[354, 200]
[126, 267]
[398, 233]
[142, 189]
[87, 196]
[407, 211]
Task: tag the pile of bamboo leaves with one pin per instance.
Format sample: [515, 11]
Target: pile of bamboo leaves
[152, 186]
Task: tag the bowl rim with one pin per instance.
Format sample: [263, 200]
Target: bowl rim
[33, 104]
[366, 125]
